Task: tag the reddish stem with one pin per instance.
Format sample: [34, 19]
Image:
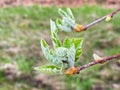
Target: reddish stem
[101, 19]
[115, 12]
[98, 62]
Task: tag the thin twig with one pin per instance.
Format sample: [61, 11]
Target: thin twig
[101, 19]
[95, 22]
[76, 70]
[103, 60]
[115, 12]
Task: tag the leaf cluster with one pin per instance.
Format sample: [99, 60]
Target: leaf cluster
[65, 54]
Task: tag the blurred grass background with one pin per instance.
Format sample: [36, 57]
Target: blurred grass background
[21, 29]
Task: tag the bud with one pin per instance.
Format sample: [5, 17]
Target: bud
[71, 71]
[97, 58]
[79, 28]
[108, 18]
[67, 23]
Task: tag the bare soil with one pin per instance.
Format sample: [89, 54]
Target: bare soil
[69, 3]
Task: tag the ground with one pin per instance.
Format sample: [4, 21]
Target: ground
[108, 3]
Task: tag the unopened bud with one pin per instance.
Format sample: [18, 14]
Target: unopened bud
[79, 28]
[108, 18]
[71, 71]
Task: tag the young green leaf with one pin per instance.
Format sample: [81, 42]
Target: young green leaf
[67, 23]
[63, 57]
[58, 21]
[77, 42]
[65, 28]
[78, 54]
[53, 26]
[71, 56]
[55, 39]
[62, 13]
[45, 48]
[60, 54]
[49, 69]
[67, 42]
[78, 46]
[70, 13]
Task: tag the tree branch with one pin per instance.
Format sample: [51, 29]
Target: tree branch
[76, 70]
[101, 61]
[100, 19]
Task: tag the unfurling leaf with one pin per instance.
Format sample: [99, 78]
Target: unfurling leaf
[78, 54]
[53, 26]
[48, 69]
[77, 42]
[78, 46]
[58, 21]
[45, 49]
[55, 39]
[62, 13]
[70, 13]
[71, 56]
[62, 57]
[67, 23]
[67, 43]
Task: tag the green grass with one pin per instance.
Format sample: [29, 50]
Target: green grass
[23, 27]
[78, 83]
[17, 86]
[112, 51]
[25, 66]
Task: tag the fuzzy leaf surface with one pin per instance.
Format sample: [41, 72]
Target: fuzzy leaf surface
[48, 69]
